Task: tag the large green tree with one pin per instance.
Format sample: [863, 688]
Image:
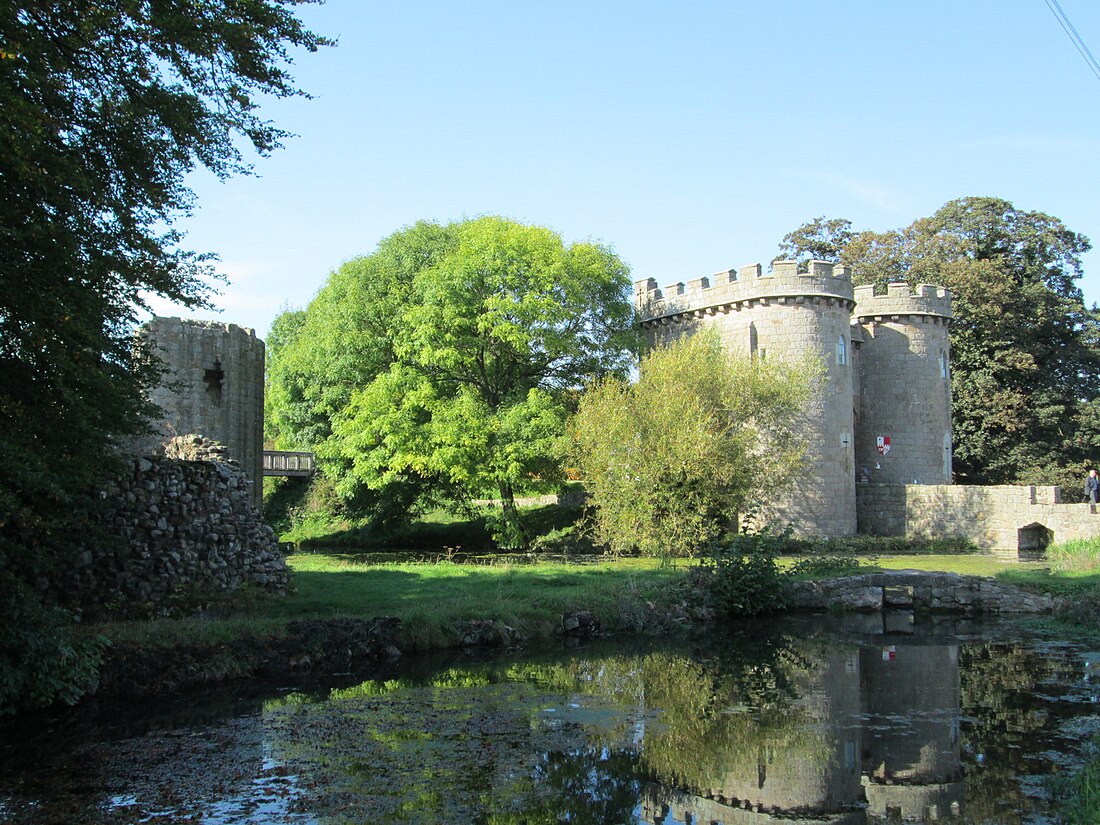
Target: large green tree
[107, 106]
[1025, 350]
[702, 436]
[449, 357]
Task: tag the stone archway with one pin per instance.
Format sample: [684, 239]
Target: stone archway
[1033, 540]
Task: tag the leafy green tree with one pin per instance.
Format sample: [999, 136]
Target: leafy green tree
[107, 107]
[1025, 350]
[821, 239]
[705, 434]
[448, 358]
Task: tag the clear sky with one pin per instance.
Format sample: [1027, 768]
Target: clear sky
[689, 136]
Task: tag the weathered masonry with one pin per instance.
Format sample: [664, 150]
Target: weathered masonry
[1021, 520]
[879, 428]
[214, 387]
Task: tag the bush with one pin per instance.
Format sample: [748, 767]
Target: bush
[820, 567]
[574, 540]
[41, 660]
[743, 578]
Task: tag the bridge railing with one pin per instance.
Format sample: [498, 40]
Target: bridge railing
[288, 463]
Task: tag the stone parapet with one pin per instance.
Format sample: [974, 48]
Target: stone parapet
[919, 591]
[899, 300]
[735, 288]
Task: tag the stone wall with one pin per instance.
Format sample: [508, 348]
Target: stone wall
[178, 531]
[1009, 519]
[920, 591]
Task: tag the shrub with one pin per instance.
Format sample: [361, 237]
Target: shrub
[1077, 795]
[574, 540]
[820, 567]
[702, 436]
[743, 578]
[41, 660]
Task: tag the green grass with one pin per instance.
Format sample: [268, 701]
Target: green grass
[1077, 795]
[1080, 555]
[433, 600]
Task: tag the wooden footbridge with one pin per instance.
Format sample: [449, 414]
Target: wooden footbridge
[288, 463]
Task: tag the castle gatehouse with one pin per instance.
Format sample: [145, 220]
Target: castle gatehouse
[881, 418]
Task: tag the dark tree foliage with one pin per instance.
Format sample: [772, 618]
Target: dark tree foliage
[822, 239]
[1025, 350]
[106, 106]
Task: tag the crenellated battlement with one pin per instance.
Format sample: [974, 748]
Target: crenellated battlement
[735, 287]
[899, 300]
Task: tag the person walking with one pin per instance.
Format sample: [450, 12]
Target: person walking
[1092, 487]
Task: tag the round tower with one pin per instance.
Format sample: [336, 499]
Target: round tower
[782, 313]
[903, 430]
[214, 387]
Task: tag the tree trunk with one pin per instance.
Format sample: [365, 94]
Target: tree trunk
[512, 533]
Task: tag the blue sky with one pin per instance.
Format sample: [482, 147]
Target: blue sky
[690, 136]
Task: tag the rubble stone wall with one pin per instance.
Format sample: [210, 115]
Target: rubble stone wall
[179, 530]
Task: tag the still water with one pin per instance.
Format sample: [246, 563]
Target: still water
[860, 719]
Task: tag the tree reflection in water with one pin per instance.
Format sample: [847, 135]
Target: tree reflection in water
[810, 721]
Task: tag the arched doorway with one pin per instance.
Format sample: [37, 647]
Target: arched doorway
[1033, 541]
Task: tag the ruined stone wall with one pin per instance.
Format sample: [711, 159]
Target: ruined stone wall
[1004, 518]
[214, 387]
[178, 531]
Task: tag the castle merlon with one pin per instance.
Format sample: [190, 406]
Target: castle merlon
[899, 299]
[822, 280]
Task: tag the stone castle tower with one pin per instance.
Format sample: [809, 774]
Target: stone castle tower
[904, 390]
[883, 412]
[214, 387]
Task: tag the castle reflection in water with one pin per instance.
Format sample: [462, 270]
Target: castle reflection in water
[883, 746]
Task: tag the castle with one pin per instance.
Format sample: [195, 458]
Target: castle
[883, 411]
[879, 427]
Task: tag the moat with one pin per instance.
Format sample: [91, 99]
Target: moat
[860, 719]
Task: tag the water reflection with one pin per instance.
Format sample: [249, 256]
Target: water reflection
[862, 720]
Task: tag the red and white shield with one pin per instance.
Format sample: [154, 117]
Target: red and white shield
[882, 444]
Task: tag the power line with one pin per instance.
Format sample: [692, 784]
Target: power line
[1072, 34]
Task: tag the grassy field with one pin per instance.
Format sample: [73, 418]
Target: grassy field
[433, 600]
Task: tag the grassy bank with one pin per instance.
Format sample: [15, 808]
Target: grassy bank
[435, 600]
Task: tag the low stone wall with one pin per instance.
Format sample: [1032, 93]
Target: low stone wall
[919, 590]
[1002, 518]
[179, 532]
